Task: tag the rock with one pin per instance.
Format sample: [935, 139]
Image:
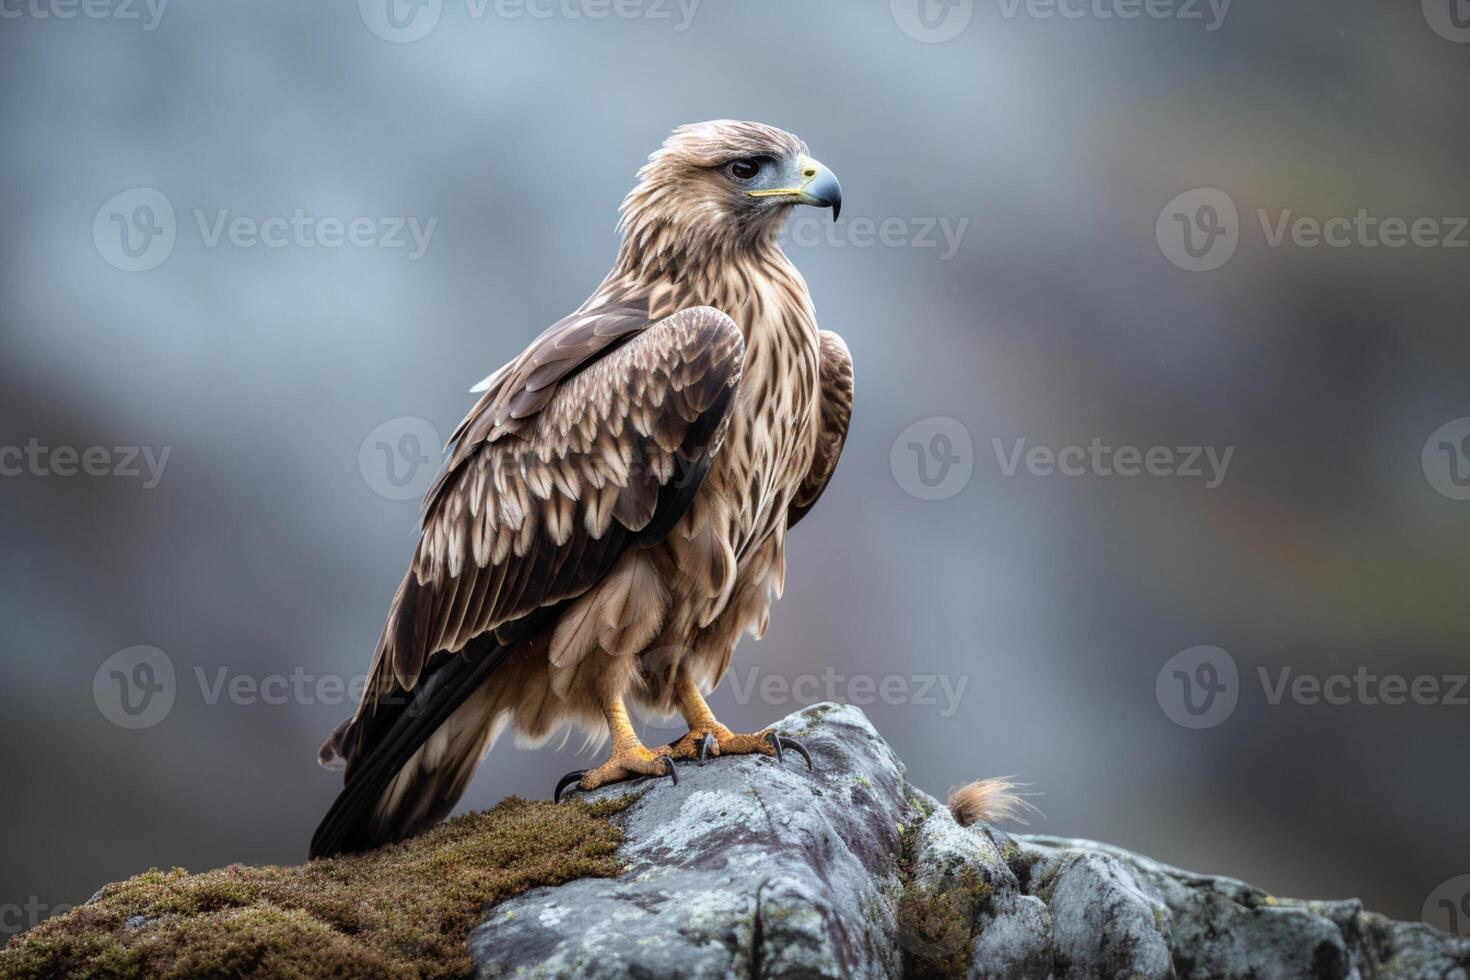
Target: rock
[746, 868]
[750, 868]
[1115, 913]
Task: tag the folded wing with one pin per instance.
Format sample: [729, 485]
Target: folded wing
[836, 408]
[594, 440]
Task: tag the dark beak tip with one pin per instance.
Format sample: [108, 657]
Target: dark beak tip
[836, 208]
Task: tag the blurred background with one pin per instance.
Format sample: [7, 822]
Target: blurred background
[255, 254]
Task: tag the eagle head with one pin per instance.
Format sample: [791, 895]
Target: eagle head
[722, 185]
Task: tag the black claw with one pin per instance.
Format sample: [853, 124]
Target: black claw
[779, 742]
[669, 769]
[792, 743]
[567, 780]
[775, 741]
[702, 751]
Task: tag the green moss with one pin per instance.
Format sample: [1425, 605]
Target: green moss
[1043, 886]
[920, 807]
[937, 926]
[400, 911]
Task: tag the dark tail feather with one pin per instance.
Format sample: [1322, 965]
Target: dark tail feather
[389, 739]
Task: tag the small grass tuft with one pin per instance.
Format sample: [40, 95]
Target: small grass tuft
[400, 911]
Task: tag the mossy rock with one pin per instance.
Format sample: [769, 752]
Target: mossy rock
[937, 927]
[400, 911]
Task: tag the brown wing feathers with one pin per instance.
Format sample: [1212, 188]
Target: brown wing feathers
[405, 721]
[836, 407]
[545, 489]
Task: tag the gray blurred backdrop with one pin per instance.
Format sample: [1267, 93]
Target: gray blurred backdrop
[284, 372]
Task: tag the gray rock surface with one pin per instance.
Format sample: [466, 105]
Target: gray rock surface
[752, 869]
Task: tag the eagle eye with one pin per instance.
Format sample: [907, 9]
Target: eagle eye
[745, 169]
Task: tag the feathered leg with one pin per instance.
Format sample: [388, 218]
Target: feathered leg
[630, 757]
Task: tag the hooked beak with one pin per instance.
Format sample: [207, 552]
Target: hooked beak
[818, 187]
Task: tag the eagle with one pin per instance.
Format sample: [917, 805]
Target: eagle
[612, 513]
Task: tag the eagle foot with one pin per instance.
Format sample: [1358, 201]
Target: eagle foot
[700, 745]
[622, 765]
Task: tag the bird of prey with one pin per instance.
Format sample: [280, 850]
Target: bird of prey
[611, 515]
